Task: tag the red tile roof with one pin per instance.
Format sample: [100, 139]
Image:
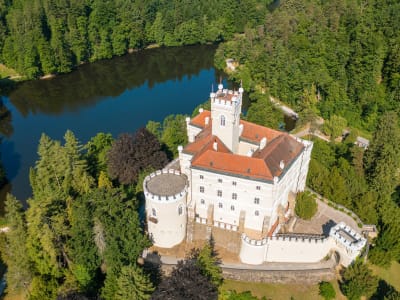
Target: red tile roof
[264, 164]
[200, 119]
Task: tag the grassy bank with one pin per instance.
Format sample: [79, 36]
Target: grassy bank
[390, 275]
[279, 291]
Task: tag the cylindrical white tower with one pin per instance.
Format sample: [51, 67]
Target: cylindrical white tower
[166, 214]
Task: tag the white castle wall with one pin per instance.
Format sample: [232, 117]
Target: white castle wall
[167, 227]
[280, 249]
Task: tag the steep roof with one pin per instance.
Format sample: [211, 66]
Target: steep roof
[264, 164]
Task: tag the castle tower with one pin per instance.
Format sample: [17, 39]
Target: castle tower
[226, 107]
[166, 211]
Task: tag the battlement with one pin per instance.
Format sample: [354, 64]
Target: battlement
[296, 238]
[167, 185]
[226, 97]
[348, 238]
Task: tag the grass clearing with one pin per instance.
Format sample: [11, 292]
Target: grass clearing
[390, 275]
[280, 291]
[8, 72]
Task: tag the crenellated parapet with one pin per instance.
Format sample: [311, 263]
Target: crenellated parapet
[167, 189]
[166, 207]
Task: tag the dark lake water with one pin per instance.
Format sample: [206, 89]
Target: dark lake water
[115, 96]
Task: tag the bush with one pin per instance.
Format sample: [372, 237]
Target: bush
[326, 290]
[306, 206]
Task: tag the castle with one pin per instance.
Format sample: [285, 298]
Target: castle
[237, 176]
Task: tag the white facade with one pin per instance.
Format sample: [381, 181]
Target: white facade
[166, 214]
[241, 177]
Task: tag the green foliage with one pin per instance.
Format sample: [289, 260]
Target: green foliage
[336, 58]
[334, 126]
[357, 281]
[41, 37]
[13, 247]
[306, 205]
[326, 290]
[77, 238]
[97, 149]
[262, 111]
[174, 132]
[133, 284]
[208, 263]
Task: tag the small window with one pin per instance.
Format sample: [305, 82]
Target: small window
[180, 210]
[219, 193]
[202, 201]
[219, 180]
[232, 208]
[256, 200]
[202, 189]
[234, 196]
[233, 182]
[201, 177]
[257, 213]
[222, 120]
[258, 187]
[220, 205]
[153, 212]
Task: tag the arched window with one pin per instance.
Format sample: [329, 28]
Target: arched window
[180, 210]
[232, 207]
[222, 120]
[257, 213]
[202, 202]
[220, 205]
[153, 212]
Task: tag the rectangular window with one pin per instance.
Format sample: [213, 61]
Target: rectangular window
[220, 180]
[202, 189]
[220, 205]
[256, 200]
[232, 208]
[258, 187]
[201, 177]
[233, 182]
[234, 196]
[219, 193]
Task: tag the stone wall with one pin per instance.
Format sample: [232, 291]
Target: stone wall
[312, 276]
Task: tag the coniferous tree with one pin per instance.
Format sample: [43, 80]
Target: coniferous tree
[13, 248]
[133, 283]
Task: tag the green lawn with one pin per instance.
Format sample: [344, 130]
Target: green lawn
[391, 275]
[279, 291]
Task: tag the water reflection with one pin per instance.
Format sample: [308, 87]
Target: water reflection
[92, 82]
[6, 127]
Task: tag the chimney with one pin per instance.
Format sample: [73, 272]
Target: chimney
[282, 165]
[207, 120]
[187, 120]
[263, 143]
[201, 110]
[240, 129]
[215, 145]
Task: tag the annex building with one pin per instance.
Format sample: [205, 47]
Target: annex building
[237, 176]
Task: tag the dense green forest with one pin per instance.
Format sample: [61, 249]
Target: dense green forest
[40, 37]
[324, 58]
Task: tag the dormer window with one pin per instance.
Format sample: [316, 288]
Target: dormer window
[222, 123]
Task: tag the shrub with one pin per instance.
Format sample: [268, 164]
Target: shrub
[326, 290]
[306, 206]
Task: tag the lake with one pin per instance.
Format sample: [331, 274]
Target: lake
[115, 96]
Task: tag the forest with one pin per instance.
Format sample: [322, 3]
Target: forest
[41, 37]
[339, 60]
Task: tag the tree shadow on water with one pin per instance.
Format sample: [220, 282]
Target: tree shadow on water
[11, 159]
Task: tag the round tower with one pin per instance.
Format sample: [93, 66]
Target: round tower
[166, 215]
